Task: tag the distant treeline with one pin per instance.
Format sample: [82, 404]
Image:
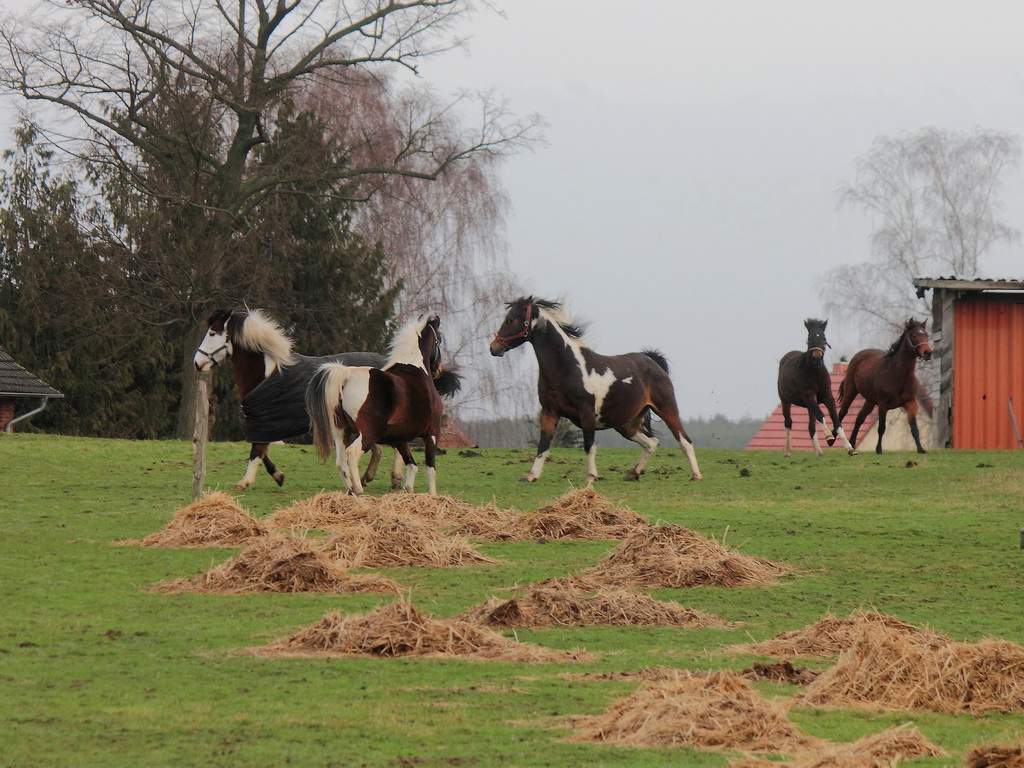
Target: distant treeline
[717, 431]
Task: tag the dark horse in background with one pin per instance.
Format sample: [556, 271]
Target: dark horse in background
[887, 379]
[592, 391]
[804, 381]
[357, 408]
[271, 381]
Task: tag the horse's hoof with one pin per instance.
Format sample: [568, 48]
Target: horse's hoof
[696, 477]
[852, 451]
[279, 478]
[527, 479]
[921, 450]
[396, 483]
[240, 486]
[831, 441]
[365, 480]
[632, 475]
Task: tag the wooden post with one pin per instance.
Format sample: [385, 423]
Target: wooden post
[199, 436]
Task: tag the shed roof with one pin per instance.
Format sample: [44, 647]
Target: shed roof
[954, 283]
[15, 381]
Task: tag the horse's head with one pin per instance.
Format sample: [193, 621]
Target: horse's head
[515, 329]
[917, 336]
[430, 345]
[816, 342]
[216, 345]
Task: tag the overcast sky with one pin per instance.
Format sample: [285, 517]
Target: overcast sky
[685, 198]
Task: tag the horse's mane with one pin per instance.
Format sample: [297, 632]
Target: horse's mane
[572, 328]
[405, 347]
[910, 325]
[257, 332]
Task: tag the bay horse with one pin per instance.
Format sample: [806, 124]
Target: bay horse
[357, 407]
[887, 379]
[271, 381]
[804, 381]
[592, 391]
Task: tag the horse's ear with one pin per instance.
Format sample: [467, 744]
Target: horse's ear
[824, 324]
[434, 321]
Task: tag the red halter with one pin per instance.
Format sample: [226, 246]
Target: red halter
[504, 340]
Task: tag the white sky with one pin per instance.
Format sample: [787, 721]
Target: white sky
[686, 196]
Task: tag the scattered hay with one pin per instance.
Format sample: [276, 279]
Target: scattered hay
[647, 674]
[214, 520]
[995, 756]
[881, 750]
[885, 670]
[580, 514]
[400, 629]
[566, 602]
[830, 636]
[280, 564]
[673, 556]
[386, 540]
[719, 710]
[781, 672]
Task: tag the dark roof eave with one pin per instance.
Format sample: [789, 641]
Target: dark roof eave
[53, 394]
[967, 284]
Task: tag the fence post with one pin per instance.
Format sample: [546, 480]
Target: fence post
[199, 436]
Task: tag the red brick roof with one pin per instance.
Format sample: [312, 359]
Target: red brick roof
[772, 435]
[452, 436]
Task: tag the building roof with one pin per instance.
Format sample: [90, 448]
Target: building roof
[15, 381]
[772, 434]
[954, 283]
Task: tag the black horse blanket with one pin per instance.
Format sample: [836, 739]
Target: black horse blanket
[276, 408]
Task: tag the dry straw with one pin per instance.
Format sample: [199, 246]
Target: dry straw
[886, 669]
[401, 629]
[995, 756]
[386, 540]
[881, 750]
[280, 564]
[673, 556]
[566, 602]
[718, 711]
[830, 636]
[214, 520]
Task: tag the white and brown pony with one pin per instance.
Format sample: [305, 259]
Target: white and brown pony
[592, 391]
[271, 381]
[355, 408]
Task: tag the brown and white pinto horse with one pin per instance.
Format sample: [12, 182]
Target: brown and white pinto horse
[887, 379]
[356, 408]
[592, 391]
[804, 381]
[271, 381]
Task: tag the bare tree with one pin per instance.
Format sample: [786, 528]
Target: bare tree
[934, 196]
[177, 98]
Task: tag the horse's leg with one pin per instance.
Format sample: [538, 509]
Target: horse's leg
[353, 453]
[646, 442]
[837, 426]
[430, 459]
[340, 462]
[371, 468]
[787, 421]
[882, 414]
[911, 409]
[861, 415]
[815, 418]
[272, 469]
[410, 467]
[257, 454]
[397, 472]
[590, 448]
[548, 422]
[675, 426]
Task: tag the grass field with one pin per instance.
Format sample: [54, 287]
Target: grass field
[95, 670]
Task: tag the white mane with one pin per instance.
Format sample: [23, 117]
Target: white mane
[260, 333]
[405, 346]
[561, 321]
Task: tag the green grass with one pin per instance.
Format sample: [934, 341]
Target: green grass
[97, 671]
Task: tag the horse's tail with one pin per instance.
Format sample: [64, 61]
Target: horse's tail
[657, 357]
[323, 396]
[448, 382]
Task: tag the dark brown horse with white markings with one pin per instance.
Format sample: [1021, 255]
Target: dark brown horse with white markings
[804, 381]
[888, 380]
[592, 391]
[356, 408]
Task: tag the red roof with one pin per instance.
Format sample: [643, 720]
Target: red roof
[772, 434]
[452, 436]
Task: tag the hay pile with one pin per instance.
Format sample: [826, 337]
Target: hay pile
[400, 629]
[280, 564]
[884, 669]
[881, 750]
[566, 602]
[322, 511]
[995, 756]
[580, 514]
[719, 710]
[781, 672]
[386, 540]
[830, 636]
[214, 520]
[673, 556]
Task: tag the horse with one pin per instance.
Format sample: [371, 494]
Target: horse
[804, 381]
[887, 379]
[271, 381]
[358, 407]
[592, 391]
